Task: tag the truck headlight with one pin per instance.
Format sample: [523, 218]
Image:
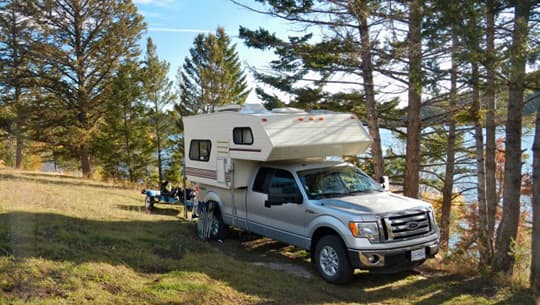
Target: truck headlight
[369, 230]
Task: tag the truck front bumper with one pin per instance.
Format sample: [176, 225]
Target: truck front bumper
[393, 259]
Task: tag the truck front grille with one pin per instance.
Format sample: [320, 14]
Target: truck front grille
[406, 225]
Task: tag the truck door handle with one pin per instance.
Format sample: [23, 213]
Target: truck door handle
[310, 211]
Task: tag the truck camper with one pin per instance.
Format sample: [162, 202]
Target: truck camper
[272, 173]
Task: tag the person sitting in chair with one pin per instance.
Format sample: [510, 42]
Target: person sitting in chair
[166, 188]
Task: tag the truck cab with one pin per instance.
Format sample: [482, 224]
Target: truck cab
[291, 192]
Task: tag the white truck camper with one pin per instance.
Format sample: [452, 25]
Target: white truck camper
[268, 172]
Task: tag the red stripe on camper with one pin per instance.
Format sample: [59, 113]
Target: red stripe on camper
[245, 149]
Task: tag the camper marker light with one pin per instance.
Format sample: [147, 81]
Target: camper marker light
[264, 119]
[300, 119]
[321, 119]
[368, 230]
[311, 119]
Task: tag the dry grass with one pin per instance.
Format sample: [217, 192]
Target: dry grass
[65, 240]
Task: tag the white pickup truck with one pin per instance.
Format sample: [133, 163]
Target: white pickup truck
[267, 173]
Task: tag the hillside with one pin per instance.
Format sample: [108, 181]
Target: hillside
[64, 240]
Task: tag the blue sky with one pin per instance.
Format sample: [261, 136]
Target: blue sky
[173, 24]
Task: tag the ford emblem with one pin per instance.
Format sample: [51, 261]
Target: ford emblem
[412, 225]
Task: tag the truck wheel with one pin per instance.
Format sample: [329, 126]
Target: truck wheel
[331, 260]
[148, 204]
[218, 229]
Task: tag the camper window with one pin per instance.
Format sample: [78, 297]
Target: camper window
[242, 136]
[199, 150]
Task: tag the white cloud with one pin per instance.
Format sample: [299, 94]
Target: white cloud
[160, 3]
[177, 30]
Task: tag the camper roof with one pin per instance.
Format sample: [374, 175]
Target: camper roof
[281, 134]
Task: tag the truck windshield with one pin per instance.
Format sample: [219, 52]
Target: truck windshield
[336, 181]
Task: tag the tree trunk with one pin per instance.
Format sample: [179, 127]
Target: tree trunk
[491, 167]
[19, 128]
[447, 192]
[84, 154]
[127, 144]
[503, 260]
[19, 150]
[480, 169]
[535, 250]
[414, 124]
[160, 162]
[369, 88]
[84, 147]
[158, 144]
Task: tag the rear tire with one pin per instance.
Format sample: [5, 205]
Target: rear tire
[331, 260]
[218, 230]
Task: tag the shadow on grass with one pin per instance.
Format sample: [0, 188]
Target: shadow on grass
[154, 211]
[167, 246]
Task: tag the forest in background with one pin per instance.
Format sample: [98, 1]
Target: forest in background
[455, 81]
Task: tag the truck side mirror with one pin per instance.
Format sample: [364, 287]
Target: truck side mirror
[278, 198]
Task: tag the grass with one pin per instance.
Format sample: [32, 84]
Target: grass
[65, 240]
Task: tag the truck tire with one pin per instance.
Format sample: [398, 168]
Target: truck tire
[331, 261]
[148, 203]
[218, 229]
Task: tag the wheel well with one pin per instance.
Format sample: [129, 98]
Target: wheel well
[318, 234]
[216, 208]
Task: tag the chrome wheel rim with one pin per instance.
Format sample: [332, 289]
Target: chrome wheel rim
[214, 228]
[329, 261]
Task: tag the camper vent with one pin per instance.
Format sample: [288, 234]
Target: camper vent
[288, 110]
[410, 224]
[231, 107]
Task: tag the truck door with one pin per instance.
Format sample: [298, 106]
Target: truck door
[283, 222]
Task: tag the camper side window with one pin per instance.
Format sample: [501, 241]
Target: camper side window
[242, 136]
[199, 150]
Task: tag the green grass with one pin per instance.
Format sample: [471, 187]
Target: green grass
[65, 240]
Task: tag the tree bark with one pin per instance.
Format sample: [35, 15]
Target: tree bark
[19, 129]
[447, 192]
[84, 154]
[491, 167]
[158, 142]
[535, 249]
[480, 169]
[414, 124]
[361, 13]
[503, 260]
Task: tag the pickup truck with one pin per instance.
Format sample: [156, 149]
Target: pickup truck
[333, 209]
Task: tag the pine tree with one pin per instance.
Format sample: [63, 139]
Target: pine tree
[212, 75]
[503, 261]
[81, 44]
[157, 92]
[347, 52]
[122, 146]
[15, 49]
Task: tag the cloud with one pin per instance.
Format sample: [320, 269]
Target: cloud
[150, 14]
[160, 3]
[177, 30]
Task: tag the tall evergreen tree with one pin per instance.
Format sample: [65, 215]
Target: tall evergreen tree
[211, 75]
[81, 46]
[348, 51]
[122, 145]
[157, 91]
[503, 260]
[535, 245]
[15, 48]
